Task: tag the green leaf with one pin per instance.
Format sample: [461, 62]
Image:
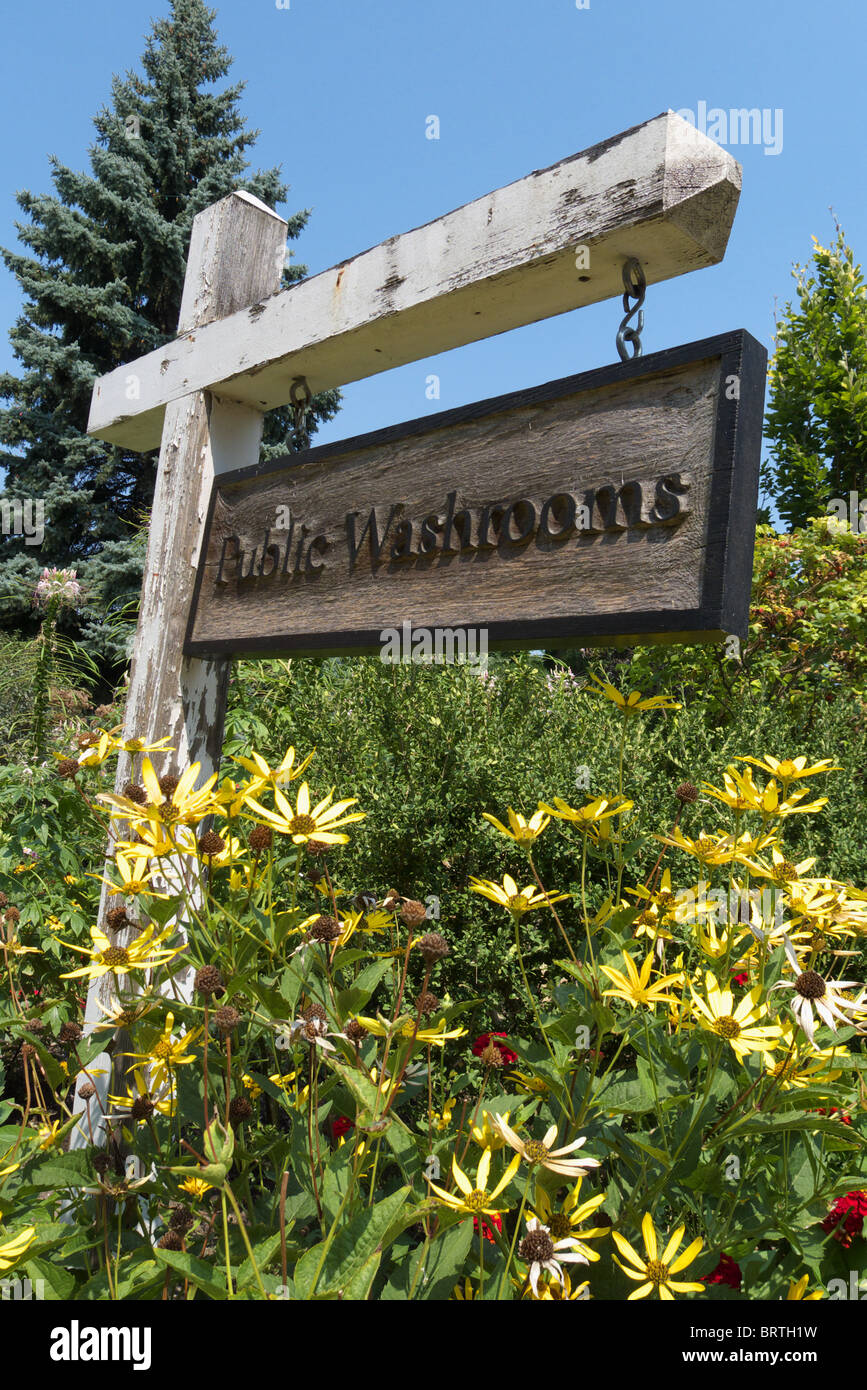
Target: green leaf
[434, 1269]
[329, 1268]
[204, 1276]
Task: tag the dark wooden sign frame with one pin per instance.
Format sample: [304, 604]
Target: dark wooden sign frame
[727, 570]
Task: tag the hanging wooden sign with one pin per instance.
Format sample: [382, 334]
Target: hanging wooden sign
[613, 507]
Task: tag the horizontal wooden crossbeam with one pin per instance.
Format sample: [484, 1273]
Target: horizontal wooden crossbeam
[554, 241]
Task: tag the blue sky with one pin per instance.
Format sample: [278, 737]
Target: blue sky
[341, 90]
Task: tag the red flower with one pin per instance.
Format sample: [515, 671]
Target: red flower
[728, 1271]
[494, 1221]
[851, 1210]
[482, 1041]
[835, 1110]
[743, 979]
[341, 1126]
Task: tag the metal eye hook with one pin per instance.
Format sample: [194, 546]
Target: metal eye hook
[634, 284]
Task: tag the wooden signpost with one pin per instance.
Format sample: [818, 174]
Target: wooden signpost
[661, 457]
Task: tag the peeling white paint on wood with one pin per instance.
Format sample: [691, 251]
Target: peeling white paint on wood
[662, 192]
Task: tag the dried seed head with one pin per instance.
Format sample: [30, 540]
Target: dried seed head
[226, 1019]
[208, 981]
[324, 929]
[211, 843]
[261, 838]
[433, 947]
[181, 1218]
[169, 784]
[427, 1004]
[101, 1163]
[3, 900]
[240, 1109]
[317, 848]
[136, 793]
[355, 1031]
[27, 1050]
[413, 913]
[536, 1245]
[87, 1090]
[314, 1010]
[391, 901]
[687, 793]
[365, 901]
[142, 1108]
[69, 1032]
[172, 1240]
[116, 919]
[68, 769]
[810, 985]
[11, 915]
[35, 1025]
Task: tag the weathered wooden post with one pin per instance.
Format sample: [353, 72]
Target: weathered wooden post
[236, 259]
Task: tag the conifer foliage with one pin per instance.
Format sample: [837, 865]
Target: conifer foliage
[102, 270]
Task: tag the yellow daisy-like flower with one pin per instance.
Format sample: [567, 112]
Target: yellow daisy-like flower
[196, 1187]
[443, 1121]
[524, 832]
[509, 896]
[591, 814]
[187, 805]
[438, 1035]
[464, 1291]
[135, 878]
[476, 1200]
[741, 793]
[655, 1271]
[531, 1085]
[302, 823]
[49, 1135]
[558, 1291]
[799, 1291]
[566, 1221]
[12, 1250]
[167, 1054]
[161, 1096]
[144, 953]
[285, 771]
[636, 988]
[740, 1026]
[709, 850]
[634, 702]
[486, 1135]
[787, 770]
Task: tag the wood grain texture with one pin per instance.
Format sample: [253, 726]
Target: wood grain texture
[661, 192]
[286, 570]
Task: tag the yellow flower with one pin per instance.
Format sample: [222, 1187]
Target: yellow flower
[135, 878]
[252, 1086]
[510, 898]
[584, 817]
[710, 850]
[636, 988]
[304, 824]
[558, 1291]
[166, 1054]
[438, 1035]
[740, 1026]
[443, 1121]
[799, 1290]
[185, 806]
[566, 1222]
[161, 1096]
[532, 1085]
[196, 1187]
[486, 1135]
[791, 769]
[144, 953]
[278, 776]
[476, 1200]
[741, 794]
[13, 1249]
[634, 702]
[655, 1272]
[523, 832]
[464, 1291]
[49, 1135]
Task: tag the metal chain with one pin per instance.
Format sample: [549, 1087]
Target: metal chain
[300, 396]
[634, 284]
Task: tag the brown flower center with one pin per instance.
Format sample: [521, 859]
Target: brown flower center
[535, 1151]
[727, 1027]
[302, 825]
[476, 1200]
[810, 985]
[115, 955]
[656, 1272]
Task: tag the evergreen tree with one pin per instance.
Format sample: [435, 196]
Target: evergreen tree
[817, 413]
[102, 277]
